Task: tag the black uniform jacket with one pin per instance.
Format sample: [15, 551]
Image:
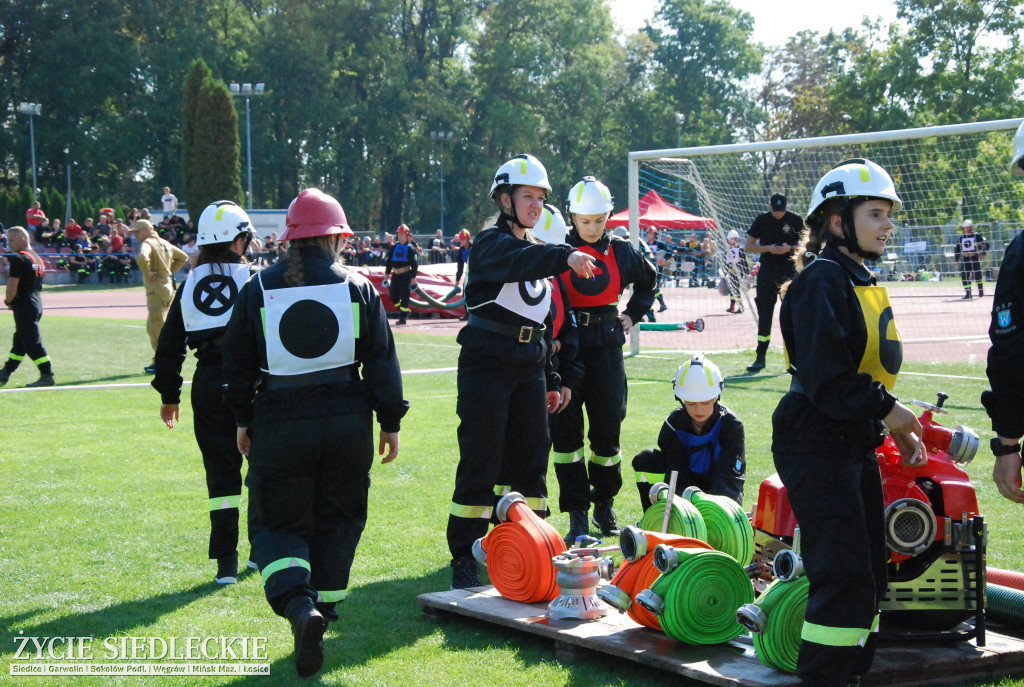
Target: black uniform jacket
[838, 408]
[377, 388]
[634, 269]
[498, 258]
[171, 349]
[726, 469]
[1005, 401]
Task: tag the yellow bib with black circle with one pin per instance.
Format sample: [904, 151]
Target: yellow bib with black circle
[309, 328]
[883, 354]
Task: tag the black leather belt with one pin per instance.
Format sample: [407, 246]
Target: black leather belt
[520, 334]
[337, 375]
[585, 318]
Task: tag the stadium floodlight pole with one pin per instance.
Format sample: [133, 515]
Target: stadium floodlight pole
[31, 109]
[247, 90]
[680, 120]
[67, 210]
[441, 137]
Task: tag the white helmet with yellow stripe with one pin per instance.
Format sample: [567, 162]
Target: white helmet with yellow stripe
[698, 380]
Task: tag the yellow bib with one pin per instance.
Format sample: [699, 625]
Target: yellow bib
[883, 354]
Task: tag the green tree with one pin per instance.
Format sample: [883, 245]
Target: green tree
[213, 173]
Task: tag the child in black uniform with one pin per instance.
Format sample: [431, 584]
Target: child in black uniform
[703, 440]
[506, 387]
[401, 266]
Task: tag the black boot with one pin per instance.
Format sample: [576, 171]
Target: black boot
[308, 628]
[464, 573]
[967, 295]
[604, 518]
[981, 290]
[5, 375]
[45, 379]
[328, 609]
[758, 364]
[227, 569]
[578, 526]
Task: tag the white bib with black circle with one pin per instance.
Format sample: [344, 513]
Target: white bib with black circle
[531, 299]
[209, 295]
[308, 328]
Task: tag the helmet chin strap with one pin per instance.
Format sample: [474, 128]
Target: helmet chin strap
[850, 236]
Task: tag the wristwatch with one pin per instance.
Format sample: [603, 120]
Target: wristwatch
[1001, 449]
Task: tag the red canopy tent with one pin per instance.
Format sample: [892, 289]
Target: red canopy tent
[658, 213]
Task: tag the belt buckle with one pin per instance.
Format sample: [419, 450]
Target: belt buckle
[525, 334]
[583, 319]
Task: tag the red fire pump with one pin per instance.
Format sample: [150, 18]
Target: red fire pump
[935, 535]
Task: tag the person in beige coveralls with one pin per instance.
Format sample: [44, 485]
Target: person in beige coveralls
[158, 260]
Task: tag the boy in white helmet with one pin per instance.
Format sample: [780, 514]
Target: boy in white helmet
[702, 440]
[1004, 402]
[596, 476]
[969, 252]
[736, 271]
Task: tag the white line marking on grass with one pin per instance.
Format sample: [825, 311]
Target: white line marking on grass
[946, 339]
[932, 374]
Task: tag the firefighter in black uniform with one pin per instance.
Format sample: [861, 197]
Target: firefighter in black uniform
[22, 297]
[703, 440]
[401, 268]
[597, 477]
[844, 353]
[1004, 402]
[505, 382]
[197, 318]
[774, 234]
[969, 252]
[299, 334]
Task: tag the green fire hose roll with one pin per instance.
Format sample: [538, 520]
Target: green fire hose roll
[685, 520]
[784, 604]
[701, 597]
[1005, 605]
[727, 524]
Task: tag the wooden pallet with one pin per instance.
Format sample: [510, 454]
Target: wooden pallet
[734, 663]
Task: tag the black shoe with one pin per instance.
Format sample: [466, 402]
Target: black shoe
[4, 375]
[981, 291]
[401, 320]
[663, 308]
[44, 380]
[328, 609]
[967, 295]
[578, 525]
[757, 365]
[731, 308]
[464, 573]
[149, 369]
[604, 518]
[308, 628]
[227, 569]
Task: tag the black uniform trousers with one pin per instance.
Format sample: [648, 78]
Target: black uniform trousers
[27, 340]
[837, 499]
[768, 284]
[503, 440]
[399, 291]
[308, 484]
[603, 391]
[216, 435]
[970, 270]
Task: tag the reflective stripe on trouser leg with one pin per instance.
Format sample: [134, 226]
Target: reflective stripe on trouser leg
[283, 564]
[605, 476]
[837, 636]
[225, 502]
[335, 596]
[17, 358]
[763, 339]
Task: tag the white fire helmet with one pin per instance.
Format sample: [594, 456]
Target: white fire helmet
[968, 223]
[855, 178]
[522, 170]
[590, 197]
[698, 380]
[733, 234]
[551, 226]
[1017, 163]
[222, 222]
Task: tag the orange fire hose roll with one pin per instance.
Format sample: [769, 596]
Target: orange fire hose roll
[519, 554]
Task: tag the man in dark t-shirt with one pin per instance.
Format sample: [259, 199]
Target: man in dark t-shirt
[22, 297]
[774, 235]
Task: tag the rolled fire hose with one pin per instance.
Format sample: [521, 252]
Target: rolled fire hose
[518, 553]
[638, 572]
[688, 326]
[1006, 578]
[1005, 604]
[684, 518]
[727, 524]
[776, 621]
[431, 302]
[699, 596]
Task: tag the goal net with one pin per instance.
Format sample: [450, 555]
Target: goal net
[944, 175]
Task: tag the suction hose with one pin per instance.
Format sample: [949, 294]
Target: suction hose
[697, 595]
[727, 524]
[1005, 604]
[684, 518]
[776, 621]
[1006, 578]
[518, 553]
[638, 572]
[431, 302]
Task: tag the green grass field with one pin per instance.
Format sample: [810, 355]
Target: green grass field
[103, 518]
